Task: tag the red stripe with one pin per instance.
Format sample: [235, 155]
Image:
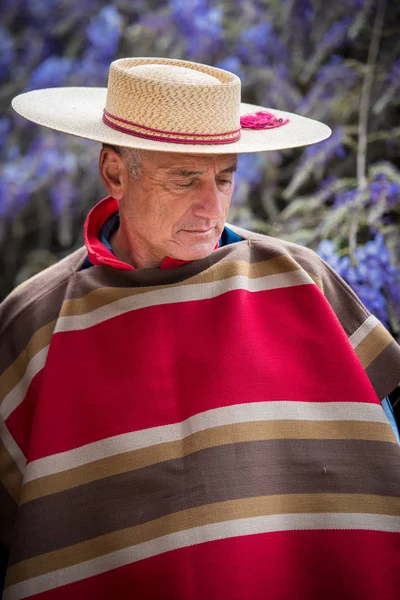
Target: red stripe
[291, 565]
[179, 133]
[163, 364]
[20, 421]
[172, 140]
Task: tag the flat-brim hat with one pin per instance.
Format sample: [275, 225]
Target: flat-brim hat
[169, 105]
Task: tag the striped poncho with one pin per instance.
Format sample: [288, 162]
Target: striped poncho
[201, 432]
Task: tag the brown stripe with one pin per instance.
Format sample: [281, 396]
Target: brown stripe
[11, 476]
[217, 436]
[384, 371]
[373, 344]
[198, 516]
[261, 468]
[13, 375]
[224, 270]
[317, 280]
[7, 516]
[32, 305]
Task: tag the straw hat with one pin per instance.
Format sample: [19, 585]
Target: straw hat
[171, 106]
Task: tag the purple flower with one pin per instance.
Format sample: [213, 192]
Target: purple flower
[5, 126]
[260, 45]
[62, 194]
[200, 24]
[250, 169]
[40, 9]
[52, 72]
[232, 64]
[372, 275]
[104, 32]
[327, 251]
[337, 33]
[384, 191]
[7, 52]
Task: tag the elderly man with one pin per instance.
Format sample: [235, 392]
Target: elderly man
[189, 410]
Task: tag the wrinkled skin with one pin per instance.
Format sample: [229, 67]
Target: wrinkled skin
[177, 207]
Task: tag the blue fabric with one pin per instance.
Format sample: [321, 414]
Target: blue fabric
[387, 407]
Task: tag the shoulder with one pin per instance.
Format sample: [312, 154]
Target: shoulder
[305, 257]
[324, 276]
[42, 294]
[345, 303]
[376, 349]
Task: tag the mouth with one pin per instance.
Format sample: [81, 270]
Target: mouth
[198, 231]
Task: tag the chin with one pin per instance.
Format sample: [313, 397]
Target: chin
[196, 252]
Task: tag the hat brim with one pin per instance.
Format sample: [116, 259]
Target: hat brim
[79, 110]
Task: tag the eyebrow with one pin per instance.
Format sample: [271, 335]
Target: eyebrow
[185, 173]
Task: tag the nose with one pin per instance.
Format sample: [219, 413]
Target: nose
[210, 202]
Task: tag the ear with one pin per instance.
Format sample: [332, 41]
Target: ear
[112, 170]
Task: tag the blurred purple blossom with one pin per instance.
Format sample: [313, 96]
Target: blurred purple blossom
[52, 72]
[62, 194]
[319, 155]
[336, 34]
[260, 45]
[104, 32]
[200, 23]
[5, 126]
[250, 169]
[372, 275]
[232, 64]
[384, 190]
[7, 52]
[248, 175]
[394, 74]
[41, 9]
[330, 80]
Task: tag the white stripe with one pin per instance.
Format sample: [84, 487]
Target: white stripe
[17, 394]
[186, 293]
[361, 333]
[12, 447]
[239, 413]
[200, 535]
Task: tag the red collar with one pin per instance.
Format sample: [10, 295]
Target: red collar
[98, 254]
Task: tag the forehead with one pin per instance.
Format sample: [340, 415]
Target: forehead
[171, 162]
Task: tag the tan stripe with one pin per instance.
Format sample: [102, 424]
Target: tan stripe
[104, 296]
[228, 415]
[216, 436]
[188, 293]
[364, 329]
[15, 372]
[317, 280]
[11, 476]
[13, 448]
[373, 344]
[195, 517]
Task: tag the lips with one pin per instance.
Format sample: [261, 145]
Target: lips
[198, 232]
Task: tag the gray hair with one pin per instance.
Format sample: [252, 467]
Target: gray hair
[132, 158]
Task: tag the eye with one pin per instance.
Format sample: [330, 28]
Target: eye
[225, 183]
[185, 185]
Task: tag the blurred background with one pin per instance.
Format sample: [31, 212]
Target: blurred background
[334, 61]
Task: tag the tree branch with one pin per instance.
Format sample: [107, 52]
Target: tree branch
[365, 102]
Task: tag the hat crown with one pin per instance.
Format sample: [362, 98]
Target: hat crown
[173, 74]
[174, 99]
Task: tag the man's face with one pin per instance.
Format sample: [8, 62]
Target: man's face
[178, 206]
